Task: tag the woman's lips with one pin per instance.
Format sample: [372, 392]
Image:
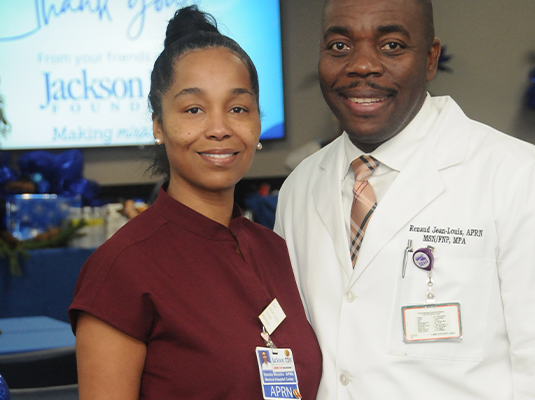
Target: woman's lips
[219, 158]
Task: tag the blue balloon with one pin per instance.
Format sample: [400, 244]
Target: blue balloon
[43, 187]
[531, 90]
[7, 175]
[4, 390]
[89, 190]
[36, 161]
[68, 165]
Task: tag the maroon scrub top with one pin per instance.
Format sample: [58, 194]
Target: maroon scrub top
[176, 280]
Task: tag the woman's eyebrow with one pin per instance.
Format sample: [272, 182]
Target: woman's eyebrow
[193, 90]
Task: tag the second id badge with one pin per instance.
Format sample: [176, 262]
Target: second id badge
[431, 322]
[277, 373]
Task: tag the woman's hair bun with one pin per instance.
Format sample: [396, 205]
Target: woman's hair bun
[186, 21]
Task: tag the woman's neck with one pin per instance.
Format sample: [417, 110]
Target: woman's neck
[217, 206]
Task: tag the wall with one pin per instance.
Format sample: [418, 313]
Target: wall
[492, 43]
[493, 48]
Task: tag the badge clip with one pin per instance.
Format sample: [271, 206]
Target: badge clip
[423, 258]
[267, 339]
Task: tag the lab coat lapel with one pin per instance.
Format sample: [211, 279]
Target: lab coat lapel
[417, 185]
[328, 202]
[413, 189]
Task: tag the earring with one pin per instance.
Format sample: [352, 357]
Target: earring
[158, 141]
[259, 146]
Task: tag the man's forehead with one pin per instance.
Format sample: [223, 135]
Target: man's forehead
[351, 14]
[339, 7]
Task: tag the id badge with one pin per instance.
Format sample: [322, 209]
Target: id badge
[277, 373]
[432, 323]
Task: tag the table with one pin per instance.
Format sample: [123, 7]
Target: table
[46, 285]
[26, 334]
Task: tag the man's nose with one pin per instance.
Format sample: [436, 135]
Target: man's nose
[363, 61]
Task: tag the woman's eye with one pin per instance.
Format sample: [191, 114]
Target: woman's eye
[339, 46]
[238, 110]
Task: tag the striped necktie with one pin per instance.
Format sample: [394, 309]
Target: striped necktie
[364, 203]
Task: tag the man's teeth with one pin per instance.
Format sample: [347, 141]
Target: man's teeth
[217, 155]
[365, 101]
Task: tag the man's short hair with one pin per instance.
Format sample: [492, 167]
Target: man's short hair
[427, 11]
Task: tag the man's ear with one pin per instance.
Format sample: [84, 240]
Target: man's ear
[432, 59]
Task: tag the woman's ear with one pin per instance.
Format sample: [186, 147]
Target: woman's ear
[157, 130]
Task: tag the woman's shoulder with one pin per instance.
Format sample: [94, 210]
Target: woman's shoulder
[258, 230]
[131, 238]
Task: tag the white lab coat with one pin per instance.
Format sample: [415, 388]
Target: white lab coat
[465, 177]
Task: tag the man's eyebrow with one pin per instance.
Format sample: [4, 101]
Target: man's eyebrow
[382, 29]
[385, 29]
[339, 30]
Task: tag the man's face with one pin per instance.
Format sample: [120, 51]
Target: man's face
[375, 61]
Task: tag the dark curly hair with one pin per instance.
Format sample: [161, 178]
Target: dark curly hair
[189, 29]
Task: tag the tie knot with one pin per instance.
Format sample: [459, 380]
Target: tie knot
[363, 167]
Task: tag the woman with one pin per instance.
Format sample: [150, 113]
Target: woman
[168, 307]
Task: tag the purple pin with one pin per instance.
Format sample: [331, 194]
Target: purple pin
[423, 258]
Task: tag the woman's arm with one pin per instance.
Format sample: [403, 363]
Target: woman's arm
[109, 361]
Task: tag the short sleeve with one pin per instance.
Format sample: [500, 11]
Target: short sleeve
[116, 290]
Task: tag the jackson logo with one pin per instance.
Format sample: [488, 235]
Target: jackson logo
[85, 87]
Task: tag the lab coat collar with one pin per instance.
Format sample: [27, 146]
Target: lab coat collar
[418, 183]
[407, 140]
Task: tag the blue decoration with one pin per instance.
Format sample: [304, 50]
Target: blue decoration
[69, 165]
[4, 390]
[531, 90]
[36, 161]
[7, 174]
[59, 174]
[43, 187]
[263, 208]
[85, 188]
[443, 59]
[27, 215]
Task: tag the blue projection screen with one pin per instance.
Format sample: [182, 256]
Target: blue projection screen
[76, 73]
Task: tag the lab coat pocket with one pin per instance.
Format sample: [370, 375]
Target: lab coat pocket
[464, 281]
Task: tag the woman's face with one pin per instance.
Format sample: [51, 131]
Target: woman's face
[210, 122]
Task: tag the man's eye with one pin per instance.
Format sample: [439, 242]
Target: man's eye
[339, 46]
[194, 110]
[392, 46]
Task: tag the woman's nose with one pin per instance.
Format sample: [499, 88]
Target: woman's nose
[218, 126]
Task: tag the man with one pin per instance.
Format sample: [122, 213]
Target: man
[448, 194]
